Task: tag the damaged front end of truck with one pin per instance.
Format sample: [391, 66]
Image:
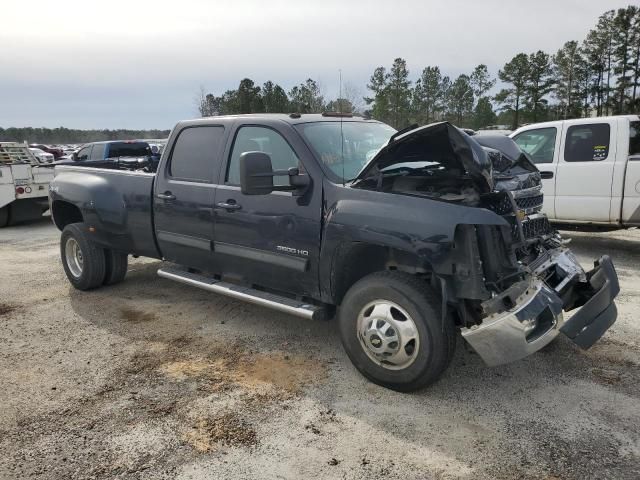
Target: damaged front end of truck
[508, 283]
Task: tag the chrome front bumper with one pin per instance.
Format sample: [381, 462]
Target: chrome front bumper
[531, 313]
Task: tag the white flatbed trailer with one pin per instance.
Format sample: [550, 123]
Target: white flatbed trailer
[24, 184]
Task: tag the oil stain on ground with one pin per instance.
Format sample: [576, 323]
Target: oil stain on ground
[136, 316]
[6, 309]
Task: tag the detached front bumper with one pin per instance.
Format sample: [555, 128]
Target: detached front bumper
[528, 315]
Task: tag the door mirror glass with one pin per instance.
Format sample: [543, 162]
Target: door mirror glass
[256, 173]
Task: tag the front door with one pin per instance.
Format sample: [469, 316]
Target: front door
[541, 145]
[271, 239]
[184, 195]
[585, 172]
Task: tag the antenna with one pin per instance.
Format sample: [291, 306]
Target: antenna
[341, 132]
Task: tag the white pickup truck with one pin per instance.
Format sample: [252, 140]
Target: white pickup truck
[590, 168]
[24, 184]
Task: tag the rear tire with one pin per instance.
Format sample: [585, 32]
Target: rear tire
[115, 267]
[392, 330]
[83, 260]
[4, 216]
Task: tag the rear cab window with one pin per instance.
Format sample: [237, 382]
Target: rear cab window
[587, 143]
[196, 154]
[129, 149]
[539, 143]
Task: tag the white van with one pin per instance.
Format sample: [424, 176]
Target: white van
[590, 168]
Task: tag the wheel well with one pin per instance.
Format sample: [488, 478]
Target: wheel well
[65, 213]
[357, 260]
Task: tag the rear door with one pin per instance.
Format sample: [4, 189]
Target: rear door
[184, 194]
[542, 145]
[585, 171]
[631, 195]
[271, 240]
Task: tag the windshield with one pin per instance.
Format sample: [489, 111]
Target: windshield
[342, 160]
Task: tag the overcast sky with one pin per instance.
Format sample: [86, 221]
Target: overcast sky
[139, 64]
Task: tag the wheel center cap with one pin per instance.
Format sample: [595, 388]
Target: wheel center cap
[376, 341]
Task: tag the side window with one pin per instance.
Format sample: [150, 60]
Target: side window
[261, 139]
[634, 138]
[98, 151]
[83, 153]
[587, 143]
[539, 144]
[196, 154]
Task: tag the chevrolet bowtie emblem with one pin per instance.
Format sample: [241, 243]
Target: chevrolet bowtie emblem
[521, 215]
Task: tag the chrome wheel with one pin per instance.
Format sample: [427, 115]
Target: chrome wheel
[73, 256]
[388, 334]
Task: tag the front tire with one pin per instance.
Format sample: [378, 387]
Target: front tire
[391, 328]
[83, 260]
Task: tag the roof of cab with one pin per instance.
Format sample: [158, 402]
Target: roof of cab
[291, 118]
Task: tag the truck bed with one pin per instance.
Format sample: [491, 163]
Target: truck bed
[117, 203]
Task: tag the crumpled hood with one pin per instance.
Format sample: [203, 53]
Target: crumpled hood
[437, 142]
[512, 169]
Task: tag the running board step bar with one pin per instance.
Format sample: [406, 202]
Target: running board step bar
[257, 297]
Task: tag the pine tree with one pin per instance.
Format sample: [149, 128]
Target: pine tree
[565, 65]
[622, 37]
[539, 83]
[398, 87]
[274, 98]
[481, 81]
[380, 101]
[515, 72]
[428, 95]
[460, 100]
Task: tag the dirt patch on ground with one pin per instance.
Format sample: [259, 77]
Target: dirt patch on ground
[283, 371]
[227, 429]
[6, 309]
[278, 370]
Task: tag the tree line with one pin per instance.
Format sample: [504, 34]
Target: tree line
[63, 135]
[598, 76]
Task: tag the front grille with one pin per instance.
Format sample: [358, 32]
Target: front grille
[500, 204]
[528, 203]
[536, 227]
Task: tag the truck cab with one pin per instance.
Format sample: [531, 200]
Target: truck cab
[590, 168]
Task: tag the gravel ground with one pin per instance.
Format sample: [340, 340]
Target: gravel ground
[152, 379]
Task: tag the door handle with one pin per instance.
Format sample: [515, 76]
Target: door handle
[546, 174]
[166, 196]
[229, 205]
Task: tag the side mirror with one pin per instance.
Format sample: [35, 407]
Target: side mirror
[256, 173]
[256, 176]
[74, 156]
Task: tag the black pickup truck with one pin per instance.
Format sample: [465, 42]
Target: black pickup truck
[408, 236]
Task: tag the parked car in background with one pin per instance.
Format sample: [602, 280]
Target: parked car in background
[590, 168]
[113, 154]
[493, 131]
[55, 151]
[24, 184]
[41, 155]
